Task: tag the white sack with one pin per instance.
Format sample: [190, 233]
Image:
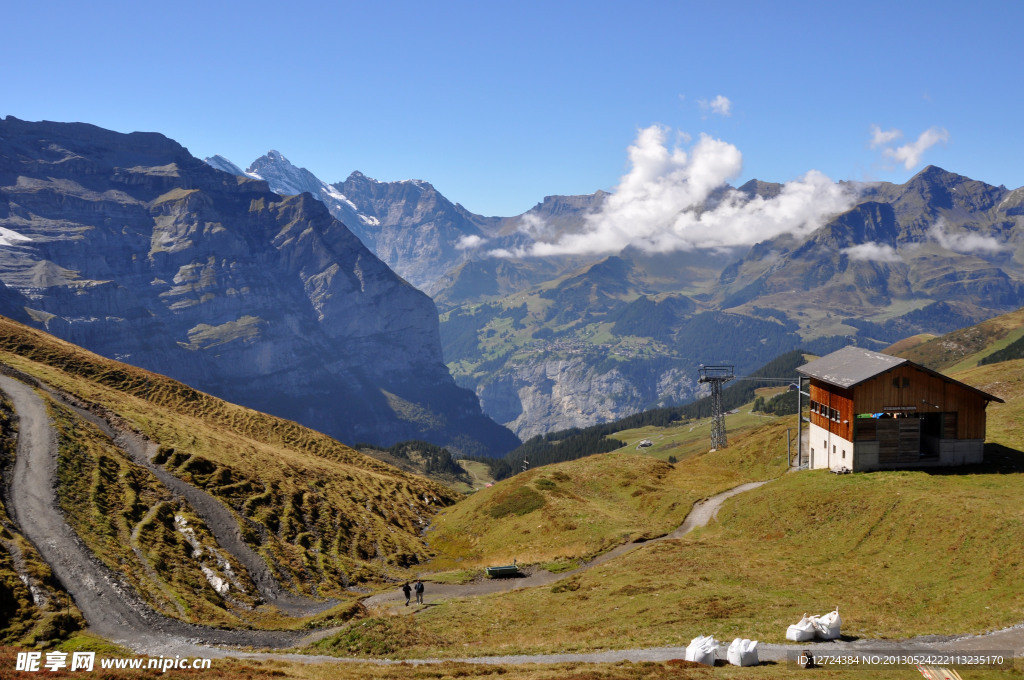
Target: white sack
[802, 631]
[827, 627]
[703, 649]
[743, 652]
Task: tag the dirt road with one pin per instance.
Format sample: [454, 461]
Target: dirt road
[218, 519]
[112, 609]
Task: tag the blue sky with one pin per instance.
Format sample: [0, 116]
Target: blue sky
[499, 104]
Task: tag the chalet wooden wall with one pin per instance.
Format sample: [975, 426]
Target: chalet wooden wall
[904, 389]
[833, 398]
[911, 389]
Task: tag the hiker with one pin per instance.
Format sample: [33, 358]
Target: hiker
[419, 592]
[408, 592]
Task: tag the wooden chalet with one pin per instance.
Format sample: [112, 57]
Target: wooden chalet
[872, 411]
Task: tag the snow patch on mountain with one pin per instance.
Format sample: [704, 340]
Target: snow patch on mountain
[223, 164]
[8, 237]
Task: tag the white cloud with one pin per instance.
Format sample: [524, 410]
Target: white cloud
[720, 105]
[880, 137]
[659, 205]
[963, 242]
[515, 253]
[872, 251]
[910, 154]
[470, 241]
[535, 226]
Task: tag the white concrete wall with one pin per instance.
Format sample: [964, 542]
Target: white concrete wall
[828, 450]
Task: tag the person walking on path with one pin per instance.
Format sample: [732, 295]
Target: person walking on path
[408, 592]
[419, 591]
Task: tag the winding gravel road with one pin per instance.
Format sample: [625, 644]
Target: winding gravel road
[111, 609]
[218, 519]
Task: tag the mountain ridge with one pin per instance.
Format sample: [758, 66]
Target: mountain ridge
[891, 266]
[939, 250]
[147, 254]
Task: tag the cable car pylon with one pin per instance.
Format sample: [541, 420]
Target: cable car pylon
[717, 375]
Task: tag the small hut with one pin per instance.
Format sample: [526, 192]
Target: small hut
[872, 411]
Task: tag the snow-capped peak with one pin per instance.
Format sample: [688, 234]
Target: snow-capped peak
[277, 156]
[223, 164]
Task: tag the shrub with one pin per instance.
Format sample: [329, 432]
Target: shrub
[521, 501]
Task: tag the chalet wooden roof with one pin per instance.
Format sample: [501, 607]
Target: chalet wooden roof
[851, 366]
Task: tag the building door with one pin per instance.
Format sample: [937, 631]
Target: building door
[910, 440]
[931, 433]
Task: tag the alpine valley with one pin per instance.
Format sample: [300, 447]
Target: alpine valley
[550, 343]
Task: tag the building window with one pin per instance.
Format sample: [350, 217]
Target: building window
[844, 454]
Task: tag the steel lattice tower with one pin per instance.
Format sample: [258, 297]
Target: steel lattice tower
[717, 376]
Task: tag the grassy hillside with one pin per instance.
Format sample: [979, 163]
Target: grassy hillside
[693, 438]
[900, 553]
[1005, 422]
[966, 347]
[583, 507]
[139, 529]
[906, 344]
[323, 515]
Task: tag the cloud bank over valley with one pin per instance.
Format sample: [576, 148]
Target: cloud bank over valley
[673, 199]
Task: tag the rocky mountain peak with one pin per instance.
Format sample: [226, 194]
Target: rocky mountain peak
[756, 187]
[142, 253]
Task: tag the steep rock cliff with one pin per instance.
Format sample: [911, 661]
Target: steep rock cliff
[129, 246]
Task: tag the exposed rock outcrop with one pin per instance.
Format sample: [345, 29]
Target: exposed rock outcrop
[129, 246]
